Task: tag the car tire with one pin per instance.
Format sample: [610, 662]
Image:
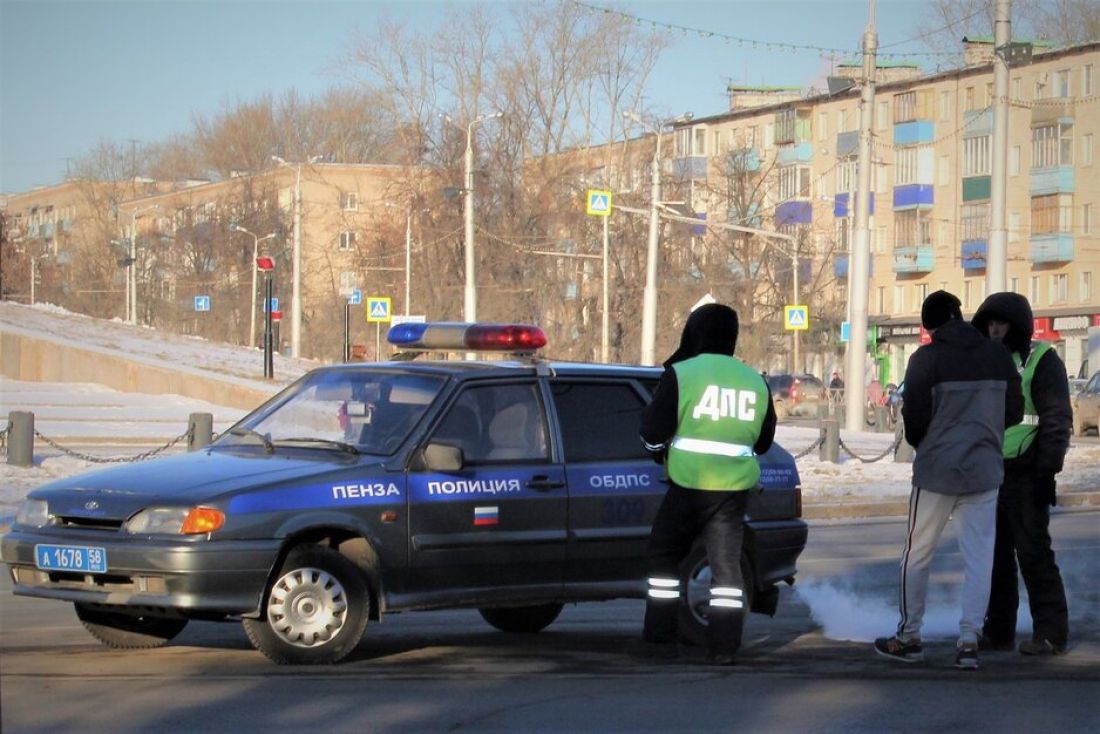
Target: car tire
[695, 579]
[126, 631]
[315, 611]
[522, 620]
[1078, 423]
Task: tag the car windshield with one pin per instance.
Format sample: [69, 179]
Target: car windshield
[368, 411]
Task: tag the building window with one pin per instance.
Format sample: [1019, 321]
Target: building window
[822, 125]
[349, 201]
[769, 135]
[988, 95]
[1086, 218]
[945, 105]
[920, 292]
[699, 141]
[1014, 227]
[1052, 214]
[347, 240]
[843, 234]
[1086, 150]
[1059, 288]
[913, 164]
[975, 221]
[881, 299]
[905, 107]
[899, 299]
[1033, 289]
[1041, 86]
[1061, 83]
[883, 112]
[1086, 80]
[911, 229]
[1018, 89]
[968, 294]
[968, 99]
[794, 183]
[1014, 161]
[1014, 285]
[1084, 286]
[976, 160]
[1052, 145]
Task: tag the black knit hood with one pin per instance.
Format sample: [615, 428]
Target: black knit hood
[711, 329]
[1010, 307]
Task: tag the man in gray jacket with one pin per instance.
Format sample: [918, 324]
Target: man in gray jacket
[961, 391]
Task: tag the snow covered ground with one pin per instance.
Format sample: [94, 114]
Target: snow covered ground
[86, 415]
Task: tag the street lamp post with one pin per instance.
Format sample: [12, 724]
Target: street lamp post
[131, 280]
[296, 257]
[256, 240]
[649, 294]
[469, 306]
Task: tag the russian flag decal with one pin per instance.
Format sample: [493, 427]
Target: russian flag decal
[486, 515]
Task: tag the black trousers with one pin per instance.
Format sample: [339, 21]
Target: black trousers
[1023, 537]
[684, 516]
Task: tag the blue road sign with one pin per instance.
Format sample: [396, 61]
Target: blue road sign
[274, 304]
[202, 303]
[356, 297]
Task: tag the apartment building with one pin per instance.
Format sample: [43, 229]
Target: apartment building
[929, 209]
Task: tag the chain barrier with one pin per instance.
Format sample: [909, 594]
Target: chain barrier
[805, 452]
[113, 459]
[4, 438]
[893, 447]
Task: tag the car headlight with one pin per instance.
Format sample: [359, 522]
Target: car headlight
[33, 513]
[175, 521]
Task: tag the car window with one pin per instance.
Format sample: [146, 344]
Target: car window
[496, 424]
[599, 420]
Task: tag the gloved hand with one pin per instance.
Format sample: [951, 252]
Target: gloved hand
[1044, 490]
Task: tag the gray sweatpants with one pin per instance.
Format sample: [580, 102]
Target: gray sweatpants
[976, 517]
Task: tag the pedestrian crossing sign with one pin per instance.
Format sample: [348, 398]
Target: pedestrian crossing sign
[378, 309]
[598, 203]
[796, 318]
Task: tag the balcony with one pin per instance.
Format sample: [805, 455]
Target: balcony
[847, 144]
[840, 267]
[745, 159]
[919, 259]
[1052, 180]
[913, 196]
[976, 188]
[794, 212]
[688, 168]
[914, 133]
[973, 254]
[977, 123]
[800, 153]
[841, 208]
[1051, 248]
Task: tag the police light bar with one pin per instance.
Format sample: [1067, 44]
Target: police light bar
[457, 336]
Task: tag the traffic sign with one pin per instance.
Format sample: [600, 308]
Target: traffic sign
[378, 309]
[202, 303]
[356, 297]
[796, 318]
[845, 330]
[274, 304]
[598, 203]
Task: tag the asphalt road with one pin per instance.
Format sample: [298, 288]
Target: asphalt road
[809, 669]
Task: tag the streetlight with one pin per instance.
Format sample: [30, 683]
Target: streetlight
[649, 294]
[469, 308]
[256, 240]
[296, 263]
[131, 272]
[34, 270]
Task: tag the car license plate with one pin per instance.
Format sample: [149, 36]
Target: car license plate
[87, 559]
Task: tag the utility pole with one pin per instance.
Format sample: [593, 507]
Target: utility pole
[855, 390]
[296, 256]
[997, 257]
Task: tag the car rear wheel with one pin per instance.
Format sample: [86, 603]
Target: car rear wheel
[522, 620]
[126, 631]
[695, 580]
[315, 611]
[781, 411]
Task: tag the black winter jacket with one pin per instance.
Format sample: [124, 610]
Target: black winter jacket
[961, 392]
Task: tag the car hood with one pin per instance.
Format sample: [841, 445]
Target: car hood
[189, 479]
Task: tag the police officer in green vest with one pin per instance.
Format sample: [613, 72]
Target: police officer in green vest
[710, 416]
[1033, 453]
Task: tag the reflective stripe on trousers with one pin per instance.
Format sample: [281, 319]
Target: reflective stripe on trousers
[726, 596]
[663, 588]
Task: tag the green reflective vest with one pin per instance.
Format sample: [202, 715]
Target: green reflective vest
[1019, 437]
[722, 407]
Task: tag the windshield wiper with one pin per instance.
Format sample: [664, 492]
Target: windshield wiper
[245, 431]
[326, 442]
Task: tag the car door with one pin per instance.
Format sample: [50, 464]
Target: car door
[615, 487]
[497, 524]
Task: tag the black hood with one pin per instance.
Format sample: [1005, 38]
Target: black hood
[711, 329]
[959, 333]
[1010, 307]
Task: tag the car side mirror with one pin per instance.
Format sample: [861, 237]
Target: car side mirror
[442, 457]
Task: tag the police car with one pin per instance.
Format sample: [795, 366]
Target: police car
[514, 486]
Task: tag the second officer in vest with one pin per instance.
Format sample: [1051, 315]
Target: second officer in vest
[710, 417]
[1033, 453]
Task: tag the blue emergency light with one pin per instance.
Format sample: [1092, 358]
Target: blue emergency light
[448, 335]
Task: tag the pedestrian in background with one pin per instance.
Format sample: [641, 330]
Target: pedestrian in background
[710, 416]
[1033, 453]
[961, 391]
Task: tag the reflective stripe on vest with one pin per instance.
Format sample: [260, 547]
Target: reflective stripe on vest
[1018, 438]
[716, 448]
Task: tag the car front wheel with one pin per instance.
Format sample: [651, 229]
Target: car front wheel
[315, 611]
[127, 631]
[695, 581]
[523, 620]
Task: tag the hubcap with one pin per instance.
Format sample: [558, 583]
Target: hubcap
[307, 607]
[698, 591]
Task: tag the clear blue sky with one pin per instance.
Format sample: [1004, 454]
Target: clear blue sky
[74, 72]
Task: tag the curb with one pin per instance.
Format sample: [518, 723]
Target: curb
[899, 507]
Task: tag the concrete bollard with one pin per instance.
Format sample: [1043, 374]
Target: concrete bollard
[830, 441]
[882, 419]
[200, 430]
[21, 438]
[904, 453]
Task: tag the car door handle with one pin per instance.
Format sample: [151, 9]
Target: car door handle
[542, 483]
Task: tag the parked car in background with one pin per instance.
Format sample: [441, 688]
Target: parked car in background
[1086, 407]
[796, 394]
